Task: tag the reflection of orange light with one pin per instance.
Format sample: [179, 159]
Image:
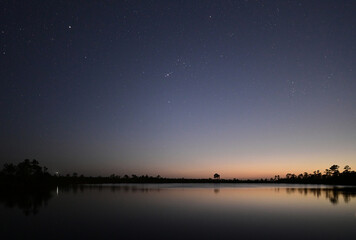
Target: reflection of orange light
[244, 196]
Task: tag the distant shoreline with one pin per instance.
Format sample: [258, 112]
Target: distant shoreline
[31, 173]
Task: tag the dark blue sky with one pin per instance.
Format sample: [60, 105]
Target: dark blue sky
[178, 88]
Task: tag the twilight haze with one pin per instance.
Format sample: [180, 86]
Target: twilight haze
[248, 89]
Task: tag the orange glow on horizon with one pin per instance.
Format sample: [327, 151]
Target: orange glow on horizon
[256, 168]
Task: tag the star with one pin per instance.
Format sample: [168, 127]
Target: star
[168, 74]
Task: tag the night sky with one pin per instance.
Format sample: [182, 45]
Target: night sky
[247, 89]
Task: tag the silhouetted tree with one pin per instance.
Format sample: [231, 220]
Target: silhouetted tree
[334, 170]
[9, 169]
[216, 176]
[328, 172]
[347, 169]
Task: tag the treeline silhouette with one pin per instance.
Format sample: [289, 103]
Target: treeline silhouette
[26, 172]
[331, 175]
[30, 172]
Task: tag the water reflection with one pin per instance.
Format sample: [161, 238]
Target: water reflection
[332, 194]
[28, 200]
[113, 188]
[168, 211]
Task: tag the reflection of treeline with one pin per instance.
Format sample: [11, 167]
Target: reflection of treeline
[333, 194]
[80, 188]
[28, 172]
[28, 199]
[330, 176]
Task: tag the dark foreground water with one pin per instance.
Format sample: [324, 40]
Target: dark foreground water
[179, 211]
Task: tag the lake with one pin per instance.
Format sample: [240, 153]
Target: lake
[179, 211]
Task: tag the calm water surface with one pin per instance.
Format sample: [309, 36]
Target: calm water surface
[180, 211]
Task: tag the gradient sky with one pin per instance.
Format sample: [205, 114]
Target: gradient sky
[247, 89]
